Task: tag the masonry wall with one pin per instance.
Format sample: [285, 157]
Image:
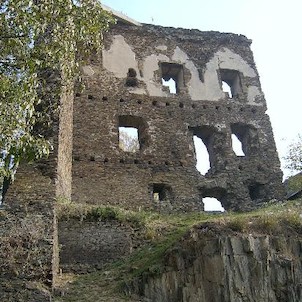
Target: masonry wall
[29, 239]
[124, 88]
[27, 262]
[88, 245]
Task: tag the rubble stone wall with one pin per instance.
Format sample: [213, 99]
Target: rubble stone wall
[87, 245]
[124, 88]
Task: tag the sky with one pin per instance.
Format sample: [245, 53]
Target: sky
[274, 26]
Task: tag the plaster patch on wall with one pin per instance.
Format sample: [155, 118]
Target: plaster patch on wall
[88, 70]
[120, 57]
[161, 47]
[150, 66]
[136, 90]
[253, 94]
[211, 89]
[230, 60]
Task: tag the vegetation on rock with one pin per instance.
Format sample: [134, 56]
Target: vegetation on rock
[161, 232]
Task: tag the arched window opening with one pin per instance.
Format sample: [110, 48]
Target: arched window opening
[227, 89]
[237, 146]
[171, 84]
[248, 137]
[202, 156]
[212, 204]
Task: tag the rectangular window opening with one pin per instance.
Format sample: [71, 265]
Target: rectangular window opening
[133, 133]
[230, 82]
[172, 76]
[161, 192]
[128, 139]
[237, 146]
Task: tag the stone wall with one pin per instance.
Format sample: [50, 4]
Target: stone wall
[88, 245]
[29, 247]
[27, 261]
[214, 266]
[124, 89]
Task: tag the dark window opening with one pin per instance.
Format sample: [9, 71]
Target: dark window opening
[132, 133]
[131, 80]
[161, 192]
[230, 82]
[172, 77]
[246, 139]
[256, 191]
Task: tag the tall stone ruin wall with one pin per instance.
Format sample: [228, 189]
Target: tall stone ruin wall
[123, 88]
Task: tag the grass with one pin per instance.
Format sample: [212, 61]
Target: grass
[160, 233]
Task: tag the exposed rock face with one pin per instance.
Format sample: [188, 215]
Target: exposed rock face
[209, 267]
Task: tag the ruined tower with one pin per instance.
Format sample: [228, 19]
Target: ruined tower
[124, 88]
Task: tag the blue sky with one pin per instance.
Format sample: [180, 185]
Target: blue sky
[273, 25]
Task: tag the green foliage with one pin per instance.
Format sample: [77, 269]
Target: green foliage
[36, 36]
[294, 155]
[23, 245]
[69, 210]
[294, 183]
[161, 233]
[103, 213]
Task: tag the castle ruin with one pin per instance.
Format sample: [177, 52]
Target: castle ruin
[124, 88]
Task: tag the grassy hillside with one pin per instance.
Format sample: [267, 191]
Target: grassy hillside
[159, 233]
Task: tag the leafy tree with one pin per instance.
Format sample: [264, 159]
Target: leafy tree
[294, 155]
[38, 37]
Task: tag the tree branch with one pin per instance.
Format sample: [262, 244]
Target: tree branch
[12, 37]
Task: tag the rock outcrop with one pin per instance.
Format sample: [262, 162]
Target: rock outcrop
[213, 266]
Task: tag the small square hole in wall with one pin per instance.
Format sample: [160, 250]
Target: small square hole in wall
[172, 76]
[161, 192]
[230, 81]
[256, 191]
